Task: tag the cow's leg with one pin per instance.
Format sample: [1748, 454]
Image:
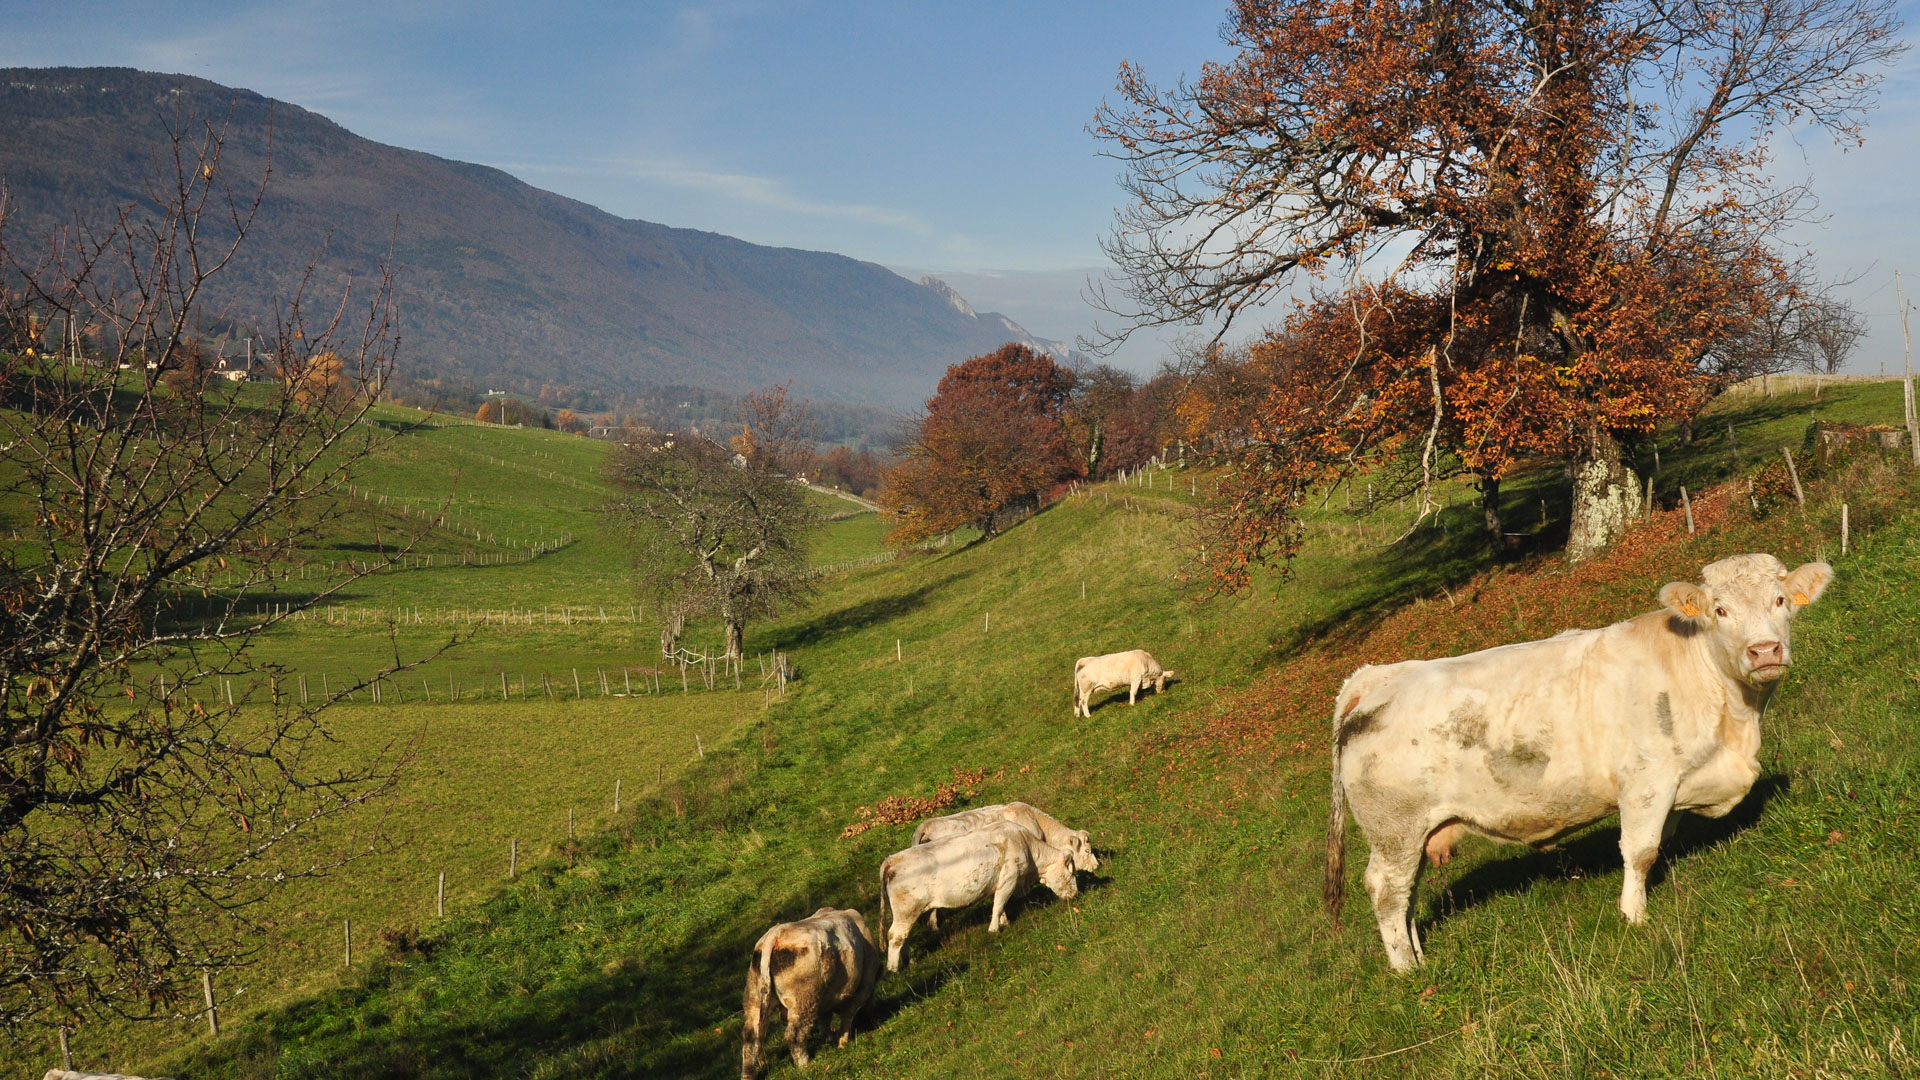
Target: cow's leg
[897, 934]
[848, 1010]
[1004, 887]
[1645, 819]
[1393, 870]
[802, 1014]
[1133, 689]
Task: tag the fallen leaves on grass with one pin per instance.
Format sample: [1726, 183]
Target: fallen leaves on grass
[905, 809]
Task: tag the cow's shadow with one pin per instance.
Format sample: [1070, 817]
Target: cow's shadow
[935, 958]
[1595, 853]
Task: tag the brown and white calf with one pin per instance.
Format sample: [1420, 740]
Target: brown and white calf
[1525, 743]
[822, 966]
[1000, 859]
[1134, 669]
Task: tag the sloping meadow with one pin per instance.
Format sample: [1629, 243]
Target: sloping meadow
[1781, 940]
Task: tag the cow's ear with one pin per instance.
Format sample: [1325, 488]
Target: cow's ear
[1805, 585]
[1685, 599]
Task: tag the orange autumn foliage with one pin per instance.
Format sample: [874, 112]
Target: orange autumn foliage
[1579, 236]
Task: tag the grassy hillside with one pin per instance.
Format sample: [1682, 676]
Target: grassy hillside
[525, 583]
[1780, 940]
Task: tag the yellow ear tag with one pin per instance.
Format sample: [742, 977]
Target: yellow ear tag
[1689, 610]
[1800, 599]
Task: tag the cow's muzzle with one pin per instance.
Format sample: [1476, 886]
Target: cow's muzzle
[1766, 660]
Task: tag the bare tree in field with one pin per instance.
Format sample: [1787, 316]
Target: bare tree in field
[1539, 225]
[151, 773]
[720, 530]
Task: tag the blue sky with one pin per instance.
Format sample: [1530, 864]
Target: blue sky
[942, 137]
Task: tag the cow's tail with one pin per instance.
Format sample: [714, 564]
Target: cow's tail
[1334, 893]
[766, 970]
[757, 1008]
[886, 878]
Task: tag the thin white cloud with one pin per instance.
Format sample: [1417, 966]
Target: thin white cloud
[760, 192]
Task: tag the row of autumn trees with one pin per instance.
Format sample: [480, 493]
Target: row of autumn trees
[1005, 429]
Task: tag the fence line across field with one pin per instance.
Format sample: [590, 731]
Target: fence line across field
[707, 671]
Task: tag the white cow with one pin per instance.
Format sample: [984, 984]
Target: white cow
[1076, 842]
[822, 966]
[999, 859]
[1133, 669]
[1525, 743]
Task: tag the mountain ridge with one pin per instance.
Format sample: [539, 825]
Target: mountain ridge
[500, 282]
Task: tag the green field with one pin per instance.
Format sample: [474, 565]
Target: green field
[1781, 941]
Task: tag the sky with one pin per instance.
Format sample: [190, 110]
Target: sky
[946, 138]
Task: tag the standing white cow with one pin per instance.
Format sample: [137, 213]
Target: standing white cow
[999, 859]
[1525, 743]
[1037, 821]
[1077, 842]
[1133, 669]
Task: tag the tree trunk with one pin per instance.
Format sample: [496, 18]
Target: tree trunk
[1606, 497]
[736, 637]
[1490, 511]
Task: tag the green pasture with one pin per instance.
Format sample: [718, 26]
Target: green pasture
[1782, 940]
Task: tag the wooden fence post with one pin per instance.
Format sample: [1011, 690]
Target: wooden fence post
[440, 897]
[503, 684]
[1793, 474]
[349, 936]
[213, 1013]
[1843, 528]
[616, 796]
[513, 857]
[1687, 505]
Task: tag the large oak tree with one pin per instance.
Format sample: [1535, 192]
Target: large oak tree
[1536, 226]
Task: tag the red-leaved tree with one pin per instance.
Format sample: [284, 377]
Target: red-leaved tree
[991, 443]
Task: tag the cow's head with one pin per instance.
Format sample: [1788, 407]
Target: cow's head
[1056, 873]
[1082, 851]
[1745, 605]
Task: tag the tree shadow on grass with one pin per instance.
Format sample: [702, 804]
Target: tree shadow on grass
[859, 616]
[1596, 853]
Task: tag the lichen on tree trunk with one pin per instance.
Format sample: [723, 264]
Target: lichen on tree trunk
[1606, 498]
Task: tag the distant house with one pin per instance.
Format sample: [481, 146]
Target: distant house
[255, 368]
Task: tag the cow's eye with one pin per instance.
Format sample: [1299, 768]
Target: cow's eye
[1720, 611]
[1779, 601]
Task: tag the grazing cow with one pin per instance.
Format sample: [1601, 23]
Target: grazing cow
[997, 859]
[825, 964]
[1076, 842]
[1133, 669]
[1525, 743]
